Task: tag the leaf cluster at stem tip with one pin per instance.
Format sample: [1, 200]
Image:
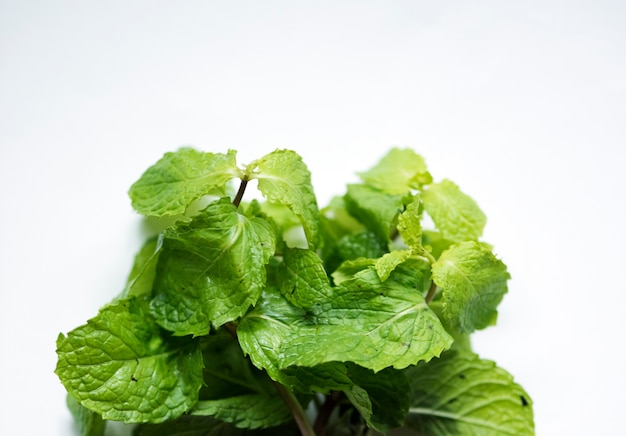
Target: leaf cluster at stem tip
[278, 317]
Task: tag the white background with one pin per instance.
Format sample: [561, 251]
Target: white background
[523, 104]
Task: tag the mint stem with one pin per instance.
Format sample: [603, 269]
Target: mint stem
[296, 410]
[242, 189]
[431, 293]
[324, 414]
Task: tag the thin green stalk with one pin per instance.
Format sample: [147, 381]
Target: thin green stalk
[296, 410]
[432, 291]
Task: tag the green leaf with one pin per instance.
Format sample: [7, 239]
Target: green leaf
[371, 323]
[141, 277]
[303, 279]
[284, 179]
[398, 172]
[375, 209]
[389, 261]
[89, 423]
[121, 366]
[410, 226]
[247, 411]
[226, 371]
[363, 244]
[473, 283]
[465, 395]
[169, 186]
[191, 425]
[456, 215]
[211, 269]
[382, 399]
[434, 243]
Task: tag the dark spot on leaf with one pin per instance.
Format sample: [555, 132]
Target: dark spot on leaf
[462, 376]
[452, 400]
[524, 401]
[132, 378]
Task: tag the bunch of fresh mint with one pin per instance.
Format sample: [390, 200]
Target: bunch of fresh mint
[276, 317]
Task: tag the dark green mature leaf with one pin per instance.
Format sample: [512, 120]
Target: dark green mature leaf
[226, 371]
[375, 209]
[465, 395]
[381, 398]
[89, 423]
[191, 425]
[473, 281]
[121, 366]
[371, 323]
[247, 411]
[211, 269]
[284, 179]
[456, 215]
[177, 179]
[363, 244]
[398, 172]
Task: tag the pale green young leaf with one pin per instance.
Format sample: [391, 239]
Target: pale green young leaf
[473, 283]
[410, 226]
[169, 186]
[88, 422]
[376, 210]
[141, 277]
[246, 411]
[461, 394]
[121, 366]
[349, 268]
[303, 279]
[211, 269]
[284, 179]
[456, 215]
[398, 172]
[389, 261]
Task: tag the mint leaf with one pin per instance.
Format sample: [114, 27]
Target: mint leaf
[389, 261]
[363, 244]
[473, 282]
[410, 225]
[303, 279]
[121, 366]
[463, 394]
[371, 323]
[284, 179]
[398, 172]
[169, 186]
[435, 243]
[376, 210]
[89, 423]
[381, 398]
[191, 425]
[368, 322]
[211, 269]
[456, 215]
[246, 411]
[226, 371]
[141, 277]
